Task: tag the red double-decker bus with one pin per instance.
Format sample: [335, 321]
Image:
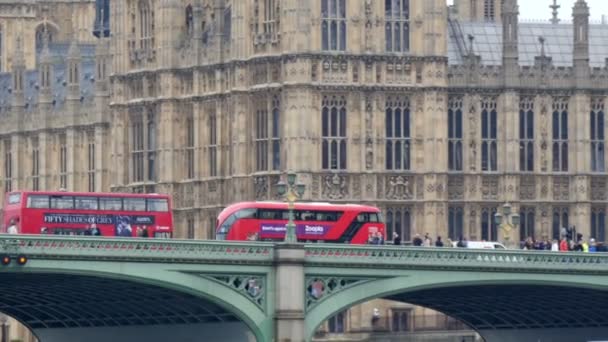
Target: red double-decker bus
[315, 222]
[84, 213]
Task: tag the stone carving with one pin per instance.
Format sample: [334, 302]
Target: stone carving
[356, 187]
[561, 185]
[398, 188]
[369, 146]
[489, 188]
[455, 187]
[369, 36]
[472, 223]
[335, 186]
[473, 135]
[420, 187]
[543, 135]
[598, 188]
[274, 191]
[212, 185]
[527, 188]
[544, 187]
[260, 185]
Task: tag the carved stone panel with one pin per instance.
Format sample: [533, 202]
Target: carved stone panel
[455, 187]
[598, 188]
[335, 187]
[527, 188]
[420, 187]
[398, 188]
[356, 187]
[561, 186]
[489, 187]
[260, 186]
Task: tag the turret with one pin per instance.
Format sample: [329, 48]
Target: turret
[18, 70]
[580, 16]
[510, 51]
[45, 74]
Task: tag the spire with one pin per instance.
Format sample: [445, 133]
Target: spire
[580, 21]
[554, 13]
[510, 42]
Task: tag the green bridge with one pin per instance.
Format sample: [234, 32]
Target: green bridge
[99, 289]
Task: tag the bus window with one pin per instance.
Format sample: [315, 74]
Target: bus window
[373, 217]
[135, 204]
[110, 203]
[62, 202]
[246, 213]
[158, 205]
[86, 203]
[38, 201]
[162, 235]
[14, 198]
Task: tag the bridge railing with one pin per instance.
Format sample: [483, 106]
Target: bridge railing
[455, 258]
[134, 249]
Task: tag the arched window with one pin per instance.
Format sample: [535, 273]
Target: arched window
[455, 136]
[489, 231]
[398, 137]
[489, 136]
[526, 135]
[597, 136]
[526, 230]
[560, 135]
[334, 133]
[146, 25]
[189, 19]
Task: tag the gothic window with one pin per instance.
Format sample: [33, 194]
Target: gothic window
[42, 31]
[91, 160]
[190, 144]
[35, 165]
[227, 29]
[398, 133]
[560, 220]
[489, 229]
[63, 162]
[145, 26]
[270, 17]
[598, 224]
[137, 149]
[489, 136]
[1, 47]
[333, 25]
[212, 143]
[397, 28]
[560, 136]
[334, 133]
[400, 320]
[337, 323]
[190, 226]
[597, 136]
[8, 166]
[399, 220]
[189, 19]
[526, 135]
[455, 134]
[489, 12]
[455, 222]
[267, 140]
[526, 222]
[151, 148]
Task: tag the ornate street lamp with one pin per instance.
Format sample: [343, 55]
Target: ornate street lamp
[506, 220]
[291, 191]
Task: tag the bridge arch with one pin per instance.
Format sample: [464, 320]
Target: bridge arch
[430, 289]
[202, 298]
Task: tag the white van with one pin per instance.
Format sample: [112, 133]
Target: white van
[482, 245]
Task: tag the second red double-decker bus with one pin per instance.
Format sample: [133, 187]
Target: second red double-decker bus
[315, 222]
[83, 213]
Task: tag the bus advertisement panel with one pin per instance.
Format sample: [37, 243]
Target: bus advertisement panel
[96, 214]
[315, 222]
